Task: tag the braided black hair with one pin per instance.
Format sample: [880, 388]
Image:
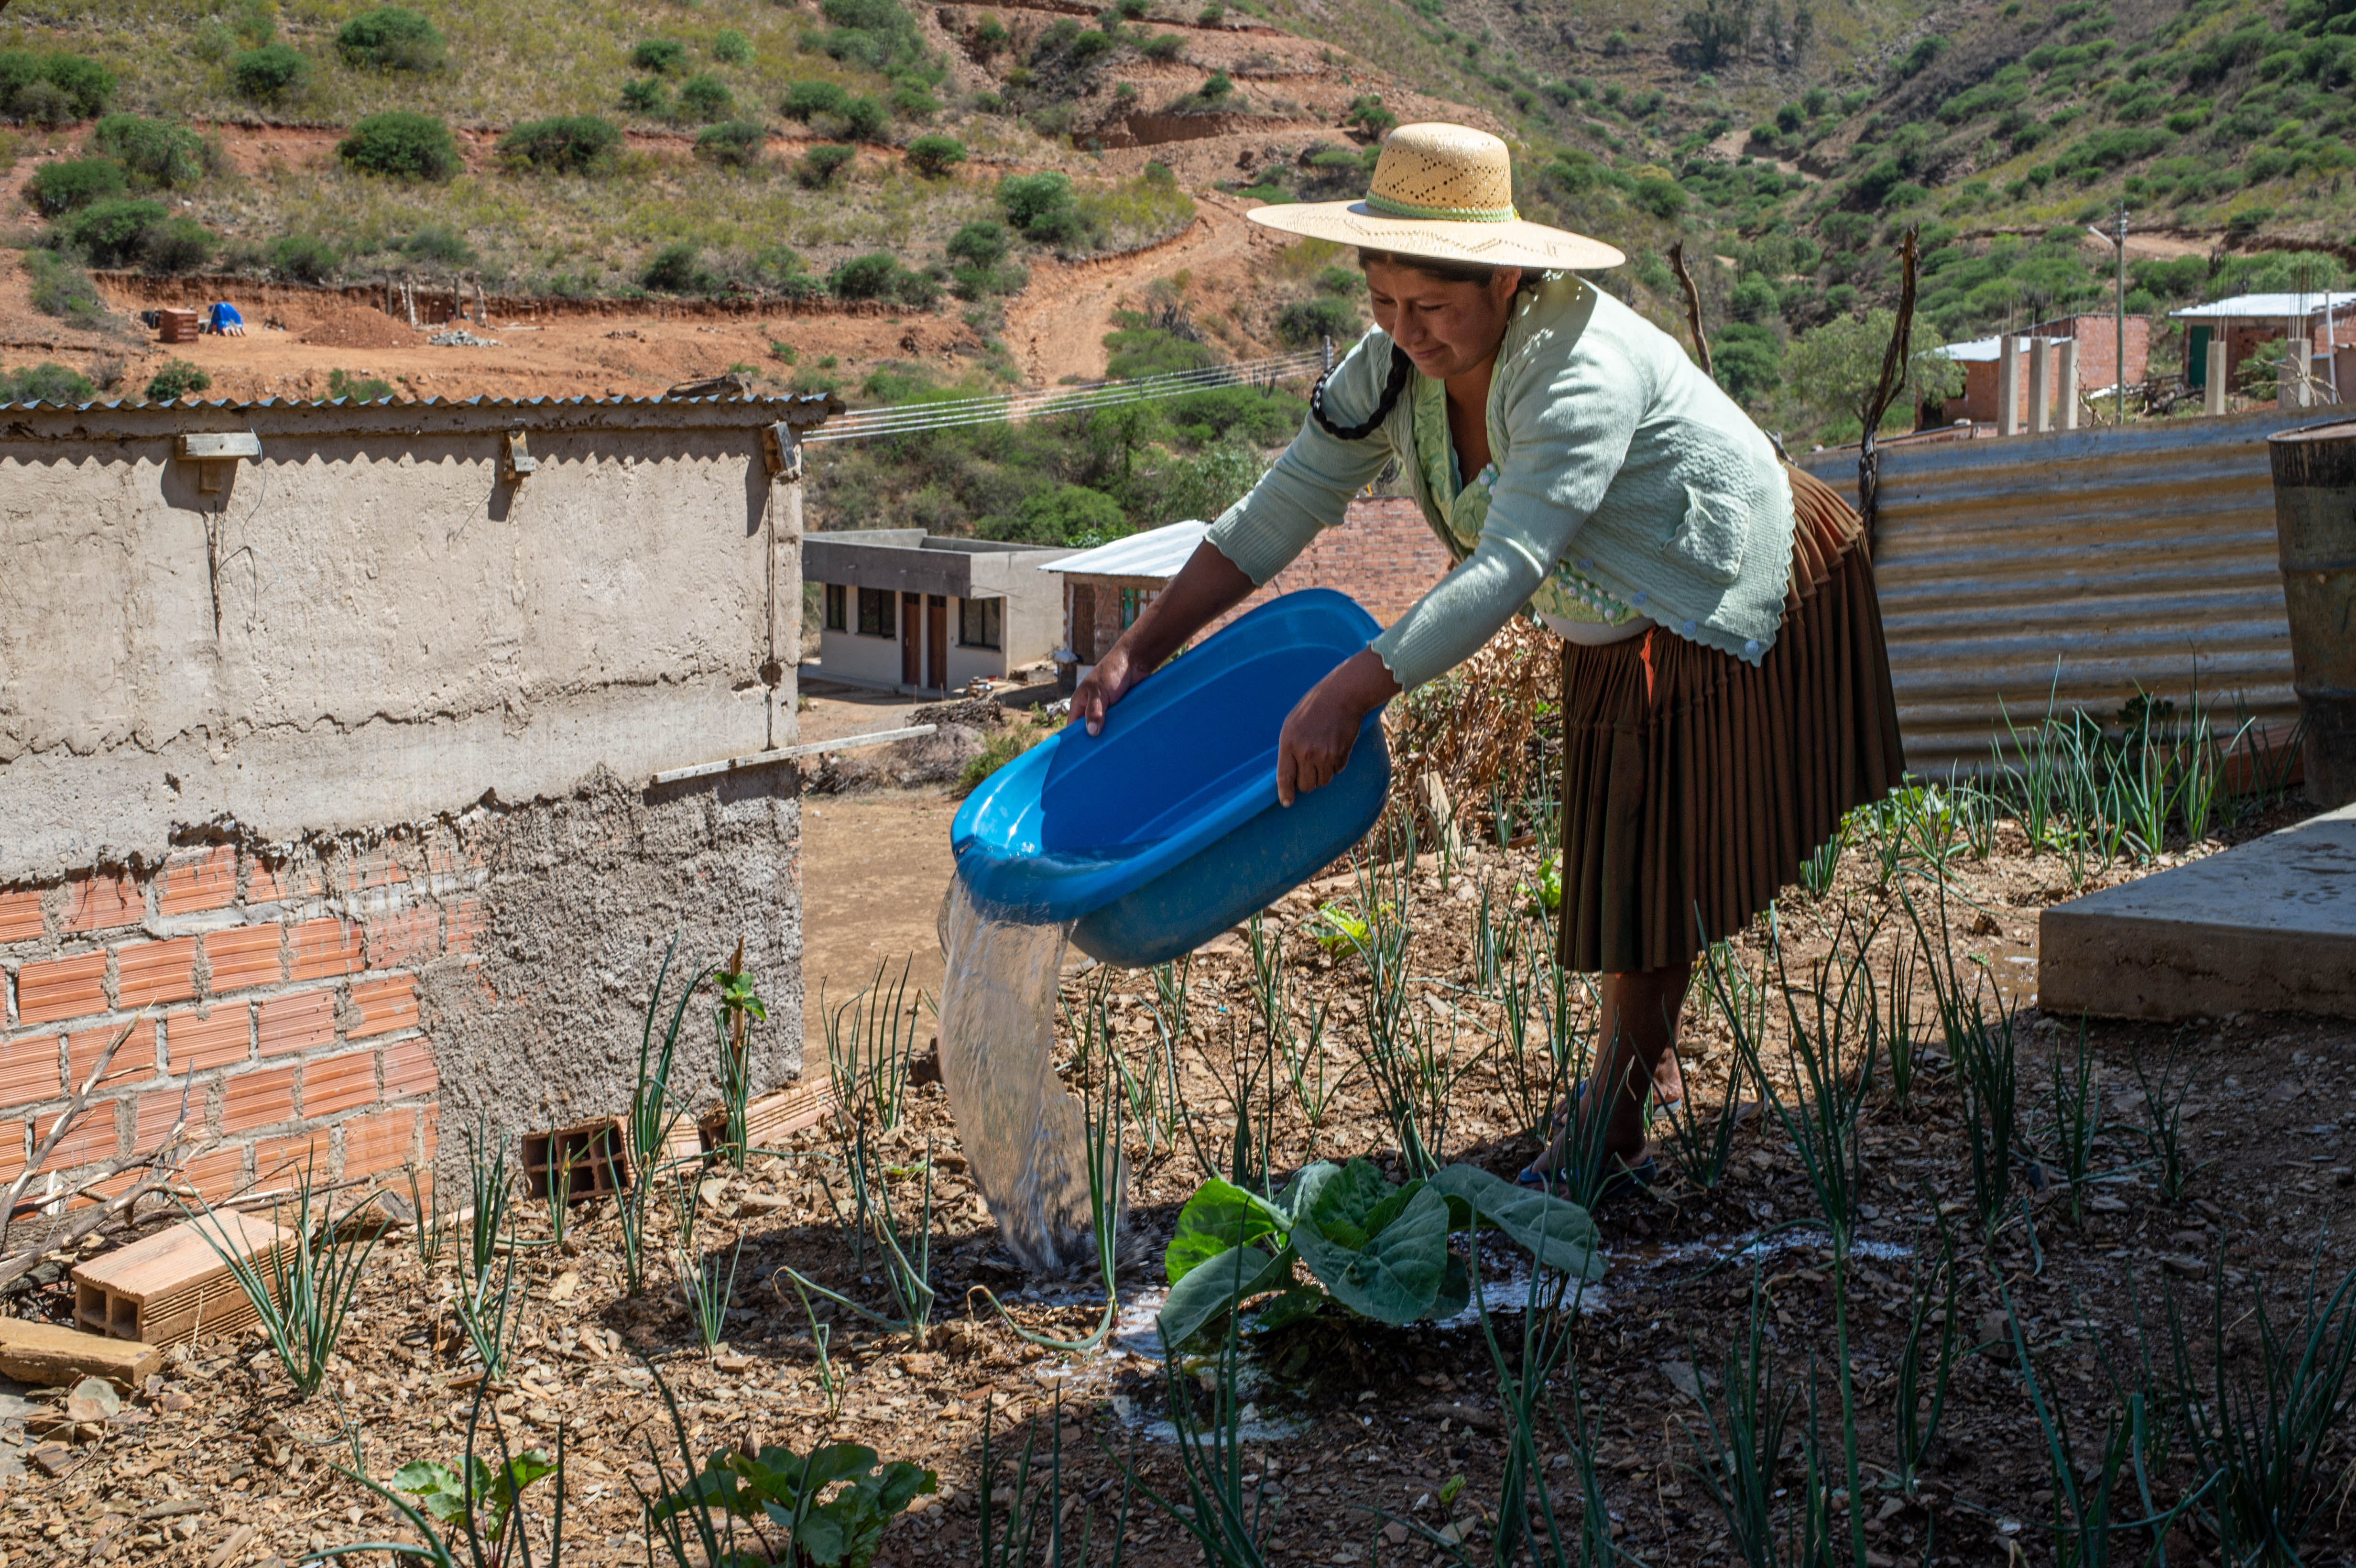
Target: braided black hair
[1394, 384]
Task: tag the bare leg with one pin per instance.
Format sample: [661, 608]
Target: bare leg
[1638, 1027]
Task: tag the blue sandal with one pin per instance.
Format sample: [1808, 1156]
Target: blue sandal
[1627, 1179]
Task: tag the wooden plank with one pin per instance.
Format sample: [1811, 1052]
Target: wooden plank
[173, 1284]
[47, 1355]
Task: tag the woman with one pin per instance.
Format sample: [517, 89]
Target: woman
[1726, 688]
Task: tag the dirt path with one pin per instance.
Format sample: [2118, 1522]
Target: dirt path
[873, 870]
[1057, 325]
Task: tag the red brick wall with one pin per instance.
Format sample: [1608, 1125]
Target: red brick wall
[1384, 555]
[280, 992]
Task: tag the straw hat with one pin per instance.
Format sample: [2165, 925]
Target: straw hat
[1445, 192]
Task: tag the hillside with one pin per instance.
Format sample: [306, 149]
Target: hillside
[903, 201]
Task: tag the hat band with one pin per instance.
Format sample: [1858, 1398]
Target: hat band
[1389, 207]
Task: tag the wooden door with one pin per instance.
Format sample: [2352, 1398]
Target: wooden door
[937, 641]
[911, 666]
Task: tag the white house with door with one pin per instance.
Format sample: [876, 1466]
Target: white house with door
[905, 611]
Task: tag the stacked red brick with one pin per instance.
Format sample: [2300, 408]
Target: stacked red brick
[286, 989]
[1384, 555]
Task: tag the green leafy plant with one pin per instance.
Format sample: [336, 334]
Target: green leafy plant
[270, 73]
[360, 389]
[778, 1493]
[391, 38]
[400, 144]
[935, 156]
[45, 383]
[1379, 1248]
[70, 184]
[301, 1291]
[734, 144]
[565, 144]
[730, 46]
[471, 1495]
[819, 166]
[705, 98]
[659, 55]
[176, 379]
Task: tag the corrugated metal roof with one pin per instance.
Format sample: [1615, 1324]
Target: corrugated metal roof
[232, 406]
[1985, 348]
[2084, 565]
[1157, 552]
[2242, 307]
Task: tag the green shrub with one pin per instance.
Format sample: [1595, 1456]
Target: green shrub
[1164, 49]
[441, 244]
[864, 119]
[911, 103]
[61, 289]
[876, 33]
[1064, 515]
[391, 38]
[1245, 412]
[820, 165]
[661, 56]
[112, 233]
[677, 269]
[647, 95]
[178, 245]
[1664, 198]
[270, 72]
[52, 89]
[73, 184]
[306, 258]
[706, 98]
[734, 145]
[1747, 360]
[175, 380]
[880, 276]
[45, 383]
[1310, 321]
[1041, 207]
[357, 388]
[730, 46]
[804, 99]
[935, 156]
[154, 152]
[1343, 280]
[567, 144]
[400, 144]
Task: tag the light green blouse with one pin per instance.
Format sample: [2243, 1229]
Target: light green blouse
[1626, 483]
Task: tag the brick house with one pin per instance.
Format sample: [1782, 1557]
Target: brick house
[2246, 322]
[2096, 336]
[1384, 555]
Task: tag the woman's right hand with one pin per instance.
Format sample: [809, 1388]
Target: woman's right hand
[1108, 682]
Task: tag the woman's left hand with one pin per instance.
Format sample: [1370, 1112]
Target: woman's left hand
[1315, 742]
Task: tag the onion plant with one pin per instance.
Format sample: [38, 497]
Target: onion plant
[1915, 1410]
[301, 1289]
[2269, 1435]
[1740, 1441]
[2163, 1098]
[869, 1054]
[906, 1260]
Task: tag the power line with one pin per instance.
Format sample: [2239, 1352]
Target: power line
[951, 413]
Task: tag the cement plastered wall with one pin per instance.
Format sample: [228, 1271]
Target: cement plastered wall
[370, 636]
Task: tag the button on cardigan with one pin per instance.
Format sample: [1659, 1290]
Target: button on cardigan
[1604, 433]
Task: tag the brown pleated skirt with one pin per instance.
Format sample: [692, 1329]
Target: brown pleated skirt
[1694, 783]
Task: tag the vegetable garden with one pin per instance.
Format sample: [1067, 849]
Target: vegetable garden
[1928, 1278]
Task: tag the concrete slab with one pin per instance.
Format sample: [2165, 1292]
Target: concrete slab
[2268, 927]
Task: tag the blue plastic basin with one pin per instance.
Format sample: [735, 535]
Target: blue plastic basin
[1165, 830]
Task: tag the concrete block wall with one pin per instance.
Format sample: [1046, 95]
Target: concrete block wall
[338, 761]
[280, 994]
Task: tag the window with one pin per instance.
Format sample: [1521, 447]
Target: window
[837, 607]
[875, 612]
[1133, 600]
[981, 622]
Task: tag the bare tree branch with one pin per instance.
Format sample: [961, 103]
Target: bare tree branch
[64, 1124]
[1896, 361]
[1693, 308]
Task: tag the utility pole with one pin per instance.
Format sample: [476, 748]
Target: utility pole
[2118, 242]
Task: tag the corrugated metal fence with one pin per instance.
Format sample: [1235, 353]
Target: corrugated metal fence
[2124, 559]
